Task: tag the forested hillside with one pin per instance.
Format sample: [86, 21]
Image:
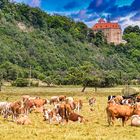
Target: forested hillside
[62, 51]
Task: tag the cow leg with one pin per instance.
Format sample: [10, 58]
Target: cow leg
[27, 111]
[50, 121]
[13, 117]
[78, 108]
[113, 120]
[108, 118]
[123, 121]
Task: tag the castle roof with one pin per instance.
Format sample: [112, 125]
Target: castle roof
[102, 24]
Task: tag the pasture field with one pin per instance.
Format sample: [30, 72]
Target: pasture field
[95, 129]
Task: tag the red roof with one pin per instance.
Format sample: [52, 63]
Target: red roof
[105, 25]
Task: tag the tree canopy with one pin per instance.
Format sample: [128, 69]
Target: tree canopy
[62, 50]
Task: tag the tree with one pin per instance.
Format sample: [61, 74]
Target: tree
[132, 29]
[100, 39]
[91, 81]
[1, 78]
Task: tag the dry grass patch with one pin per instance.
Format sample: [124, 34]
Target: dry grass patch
[95, 129]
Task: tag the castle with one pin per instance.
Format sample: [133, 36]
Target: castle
[112, 31]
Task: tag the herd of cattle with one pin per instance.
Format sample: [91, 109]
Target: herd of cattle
[124, 107]
[61, 109]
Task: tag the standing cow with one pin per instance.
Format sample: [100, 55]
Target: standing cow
[118, 111]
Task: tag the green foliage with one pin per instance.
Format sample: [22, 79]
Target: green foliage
[131, 29]
[100, 39]
[20, 82]
[62, 51]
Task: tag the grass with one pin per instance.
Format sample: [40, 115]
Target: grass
[95, 129]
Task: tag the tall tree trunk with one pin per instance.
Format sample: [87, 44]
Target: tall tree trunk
[95, 89]
[83, 88]
[0, 85]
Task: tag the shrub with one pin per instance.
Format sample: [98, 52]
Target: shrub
[34, 84]
[20, 82]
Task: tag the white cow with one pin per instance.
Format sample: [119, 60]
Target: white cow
[5, 109]
[135, 120]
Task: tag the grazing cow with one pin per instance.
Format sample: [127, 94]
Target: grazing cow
[78, 105]
[62, 98]
[69, 99]
[135, 121]
[76, 117]
[39, 102]
[5, 109]
[29, 105]
[23, 120]
[119, 111]
[54, 100]
[27, 97]
[51, 115]
[64, 110]
[2, 106]
[91, 101]
[75, 104]
[17, 108]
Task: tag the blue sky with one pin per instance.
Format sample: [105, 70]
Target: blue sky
[126, 12]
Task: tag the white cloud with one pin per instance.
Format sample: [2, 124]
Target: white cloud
[35, 3]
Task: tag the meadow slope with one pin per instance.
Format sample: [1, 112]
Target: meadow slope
[95, 129]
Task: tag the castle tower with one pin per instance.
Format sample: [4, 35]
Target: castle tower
[112, 31]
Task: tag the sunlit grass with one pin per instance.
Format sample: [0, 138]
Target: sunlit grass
[95, 129]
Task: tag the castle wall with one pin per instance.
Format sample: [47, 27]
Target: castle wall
[113, 35]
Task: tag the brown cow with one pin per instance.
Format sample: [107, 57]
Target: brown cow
[17, 108]
[31, 104]
[91, 101]
[39, 102]
[76, 117]
[54, 100]
[76, 105]
[62, 98]
[119, 111]
[64, 110]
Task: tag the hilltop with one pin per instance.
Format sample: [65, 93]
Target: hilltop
[59, 49]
